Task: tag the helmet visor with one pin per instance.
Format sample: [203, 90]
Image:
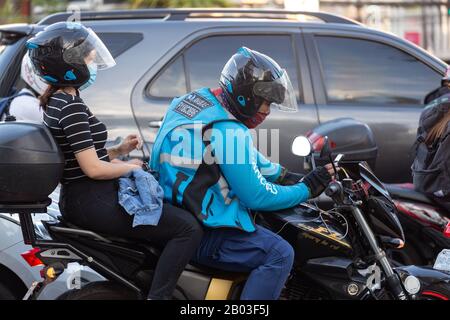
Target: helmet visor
[90, 50]
[280, 93]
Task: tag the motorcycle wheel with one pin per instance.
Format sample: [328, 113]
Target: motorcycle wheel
[101, 290]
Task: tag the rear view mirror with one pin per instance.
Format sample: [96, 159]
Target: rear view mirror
[301, 146]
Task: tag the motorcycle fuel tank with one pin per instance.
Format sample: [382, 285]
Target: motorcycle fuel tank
[311, 233]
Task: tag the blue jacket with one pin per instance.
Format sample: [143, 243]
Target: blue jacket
[141, 195]
[216, 174]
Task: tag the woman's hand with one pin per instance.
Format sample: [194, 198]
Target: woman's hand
[134, 166]
[131, 142]
[136, 162]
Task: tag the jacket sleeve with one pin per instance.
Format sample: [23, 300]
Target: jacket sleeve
[271, 171]
[234, 151]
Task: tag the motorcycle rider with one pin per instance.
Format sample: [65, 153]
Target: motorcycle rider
[207, 164]
[67, 55]
[25, 105]
[443, 89]
[431, 167]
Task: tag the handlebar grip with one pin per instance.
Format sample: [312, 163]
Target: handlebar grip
[331, 190]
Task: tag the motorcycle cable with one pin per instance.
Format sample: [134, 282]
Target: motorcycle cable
[326, 225]
[316, 218]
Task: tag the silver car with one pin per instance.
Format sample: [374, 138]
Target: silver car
[17, 275]
[339, 68]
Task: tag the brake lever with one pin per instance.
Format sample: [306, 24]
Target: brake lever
[335, 163]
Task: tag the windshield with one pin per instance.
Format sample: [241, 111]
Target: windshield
[370, 177]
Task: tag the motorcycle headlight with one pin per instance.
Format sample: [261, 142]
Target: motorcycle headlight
[412, 284]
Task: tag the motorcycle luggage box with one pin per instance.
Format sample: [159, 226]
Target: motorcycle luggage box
[352, 138]
[31, 163]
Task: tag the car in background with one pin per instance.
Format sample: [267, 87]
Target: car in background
[339, 68]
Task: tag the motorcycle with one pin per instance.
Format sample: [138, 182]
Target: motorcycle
[426, 224]
[340, 253]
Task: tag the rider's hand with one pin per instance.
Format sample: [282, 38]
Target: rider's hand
[131, 142]
[317, 180]
[330, 170]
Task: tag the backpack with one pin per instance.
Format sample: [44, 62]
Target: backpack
[433, 95]
[431, 166]
[6, 102]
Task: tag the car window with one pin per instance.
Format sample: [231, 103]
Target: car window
[205, 59]
[117, 42]
[359, 71]
[171, 82]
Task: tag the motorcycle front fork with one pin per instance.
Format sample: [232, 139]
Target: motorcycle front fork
[392, 278]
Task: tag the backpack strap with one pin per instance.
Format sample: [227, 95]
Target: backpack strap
[11, 98]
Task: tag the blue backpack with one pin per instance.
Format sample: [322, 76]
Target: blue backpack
[6, 102]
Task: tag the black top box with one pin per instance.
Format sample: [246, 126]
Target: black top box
[31, 163]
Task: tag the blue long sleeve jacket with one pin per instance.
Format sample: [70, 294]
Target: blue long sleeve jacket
[251, 176]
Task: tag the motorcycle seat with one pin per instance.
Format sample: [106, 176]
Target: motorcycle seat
[397, 191]
[64, 227]
[199, 268]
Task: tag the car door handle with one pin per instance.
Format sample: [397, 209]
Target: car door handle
[155, 124]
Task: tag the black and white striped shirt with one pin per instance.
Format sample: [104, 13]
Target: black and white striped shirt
[75, 129]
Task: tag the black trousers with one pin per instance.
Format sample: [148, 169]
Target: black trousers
[94, 205]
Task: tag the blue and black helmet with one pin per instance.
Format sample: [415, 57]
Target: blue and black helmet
[249, 78]
[61, 53]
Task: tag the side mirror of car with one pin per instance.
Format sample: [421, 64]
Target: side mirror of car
[301, 146]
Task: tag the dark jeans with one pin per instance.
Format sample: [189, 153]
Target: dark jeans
[93, 204]
[265, 255]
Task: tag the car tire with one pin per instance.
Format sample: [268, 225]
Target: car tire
[100, 290]
[6, 293]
